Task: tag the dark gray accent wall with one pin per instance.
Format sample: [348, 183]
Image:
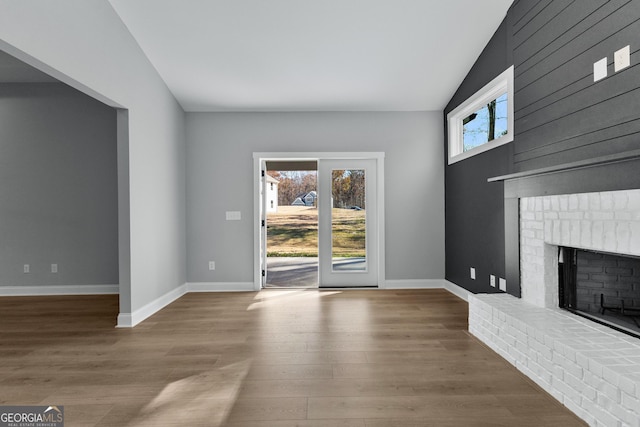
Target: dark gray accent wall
[474, 209]
[561, 116]
[59, 192]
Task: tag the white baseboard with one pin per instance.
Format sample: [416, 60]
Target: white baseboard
[220, 287]
[457, 290]
[428, 284]
[129, 320]
[6, 291]
[414, 284]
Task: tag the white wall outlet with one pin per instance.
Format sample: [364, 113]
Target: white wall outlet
[26, 268]
[600, 69]
[503, 284]
[472, 272]
[212, 265]
[622, 58]
[492, 280]
[233, 216]
[54, 268]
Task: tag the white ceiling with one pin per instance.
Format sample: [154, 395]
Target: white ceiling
[312, 55]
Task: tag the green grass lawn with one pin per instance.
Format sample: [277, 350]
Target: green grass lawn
[293, 231]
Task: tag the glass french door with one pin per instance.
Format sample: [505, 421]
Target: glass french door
[347, 206]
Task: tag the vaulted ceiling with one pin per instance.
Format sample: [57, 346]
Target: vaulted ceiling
[312, 55]
[305, 55]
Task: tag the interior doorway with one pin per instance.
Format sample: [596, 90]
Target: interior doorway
[349, 205]
[291, 224]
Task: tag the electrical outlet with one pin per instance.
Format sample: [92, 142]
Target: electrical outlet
[492, 281]
[622, 58]
[212, 265]
[54, 268]
[472, 272]
[503, 284]
[26, 268]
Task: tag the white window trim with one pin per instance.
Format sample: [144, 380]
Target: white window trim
[494, 89]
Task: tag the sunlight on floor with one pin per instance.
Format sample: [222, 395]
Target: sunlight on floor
[203, 399]
[267, 298]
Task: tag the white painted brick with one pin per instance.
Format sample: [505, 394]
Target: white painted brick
[565, 231]
[575, 232]
[623, 215]
[582, 360]
[626, 414]
[609, 236]
[634, 200]
[597, 234]
[589, 393]
[585, 234]
[606, 201]
[627, 418]
[583, 202]
[571, 215]
[628, 385]
[634, 244]
[594, 202]
[573, 344]
[557, 394]
[623, 234]
[620, 200]
[573, 202]
[603, 417]
[631, 403]
[568, 365]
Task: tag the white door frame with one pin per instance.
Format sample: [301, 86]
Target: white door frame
[259, 157]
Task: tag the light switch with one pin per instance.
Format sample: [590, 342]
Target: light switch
[503, 285]
[600, 69]
[233, 216]
[472, 273]
[622, 58]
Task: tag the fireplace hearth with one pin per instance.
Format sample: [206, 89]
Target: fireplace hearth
[590, 367]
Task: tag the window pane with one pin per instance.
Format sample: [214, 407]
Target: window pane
[348, 220]
[486, 124]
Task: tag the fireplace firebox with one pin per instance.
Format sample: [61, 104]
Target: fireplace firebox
[603, 287]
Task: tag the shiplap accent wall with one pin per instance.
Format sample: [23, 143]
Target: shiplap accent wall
[561, 114]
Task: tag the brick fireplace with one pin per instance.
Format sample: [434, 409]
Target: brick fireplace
[592, 369]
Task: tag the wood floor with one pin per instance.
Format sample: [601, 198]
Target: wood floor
[278, 358]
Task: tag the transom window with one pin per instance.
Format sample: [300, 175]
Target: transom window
[484, 121]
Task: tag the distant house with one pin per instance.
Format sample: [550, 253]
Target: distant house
[306, 199]
[272, 194]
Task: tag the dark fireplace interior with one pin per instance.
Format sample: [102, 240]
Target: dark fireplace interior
[603, 287]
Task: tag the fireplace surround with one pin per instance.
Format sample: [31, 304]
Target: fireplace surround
[592, 369]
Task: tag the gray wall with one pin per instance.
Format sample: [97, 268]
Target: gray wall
[88, 47]
[58, 198]
[220, 174]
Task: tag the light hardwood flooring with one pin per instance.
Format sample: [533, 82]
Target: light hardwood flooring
[277, 358]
